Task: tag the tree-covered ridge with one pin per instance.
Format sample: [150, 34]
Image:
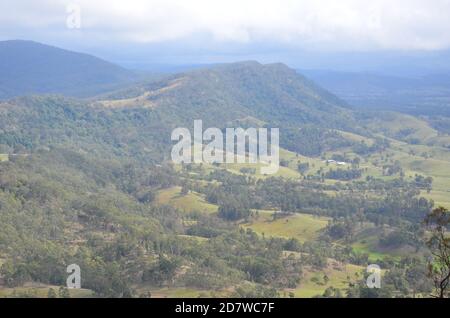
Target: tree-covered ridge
[219, 95]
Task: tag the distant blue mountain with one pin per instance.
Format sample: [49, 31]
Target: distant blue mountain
[32, 68]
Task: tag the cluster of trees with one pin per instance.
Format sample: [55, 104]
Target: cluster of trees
[233, 210]
[363, 149]
[343, 174]
[390, 170]
[312, 141]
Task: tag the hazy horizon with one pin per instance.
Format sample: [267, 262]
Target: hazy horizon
[408, 39]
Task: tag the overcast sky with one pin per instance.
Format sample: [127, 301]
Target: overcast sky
[206, 30]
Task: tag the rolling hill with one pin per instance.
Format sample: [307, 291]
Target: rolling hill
[234, 92]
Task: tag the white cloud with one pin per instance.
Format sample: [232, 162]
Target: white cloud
[343, 24]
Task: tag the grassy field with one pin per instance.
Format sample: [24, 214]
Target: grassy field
[188, 203]
[141, 101]
[374, 254]
[41, 291]
[303, 227]
[4, 157]
[285, 172]
[440, 198]
[180, 292]
[193, 237]
[339, 275]
[437, 167]
[355, 137]
[367, 241]
[391, 124]
[183, 292]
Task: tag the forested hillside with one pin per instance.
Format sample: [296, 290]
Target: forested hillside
[90, 182]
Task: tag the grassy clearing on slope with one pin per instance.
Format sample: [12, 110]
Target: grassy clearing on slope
[303, 227]
[193, 237]
[368, 242]
[140, 101]
[189, 203]
[371, 251]
[439, 170]
[339, 275]
[412, 161]
[285, 172]
[4, 157]
[440, 198]
[391, 124]
[356, 138]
